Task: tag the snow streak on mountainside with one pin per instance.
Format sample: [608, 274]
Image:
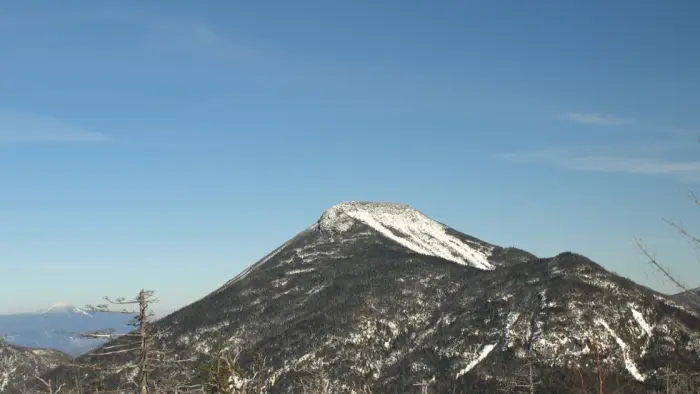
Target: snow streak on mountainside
[408, 227]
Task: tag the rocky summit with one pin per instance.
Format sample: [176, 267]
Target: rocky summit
[381, 298]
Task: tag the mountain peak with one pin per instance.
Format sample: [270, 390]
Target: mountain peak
[335, 218]
[65, 309]
[406, 226]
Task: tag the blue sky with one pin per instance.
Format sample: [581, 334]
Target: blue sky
[171, 144]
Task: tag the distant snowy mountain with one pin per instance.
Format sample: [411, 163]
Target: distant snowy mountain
[58, 327]
[63, 309]
[379, 295]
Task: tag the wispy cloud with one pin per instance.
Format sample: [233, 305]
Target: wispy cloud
[597, 119]
[633, 165]
[135, 28]
[685, 170]
[176, 33]
[19, 127]
[604, 163]
[654, 150]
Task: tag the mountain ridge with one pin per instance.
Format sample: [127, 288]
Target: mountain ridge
[19, 364]
[690, 297]
[346, 299]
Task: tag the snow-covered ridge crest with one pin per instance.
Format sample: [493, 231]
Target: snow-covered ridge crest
[407, 226]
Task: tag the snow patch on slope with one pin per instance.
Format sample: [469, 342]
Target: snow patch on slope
[629, 363]
[484, 352]
[406, 226]
[510, 320]
[641, 321]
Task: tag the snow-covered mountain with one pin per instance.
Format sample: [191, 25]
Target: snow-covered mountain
[63, 309]
[19, 364]
[381, 296]
[58, 327]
